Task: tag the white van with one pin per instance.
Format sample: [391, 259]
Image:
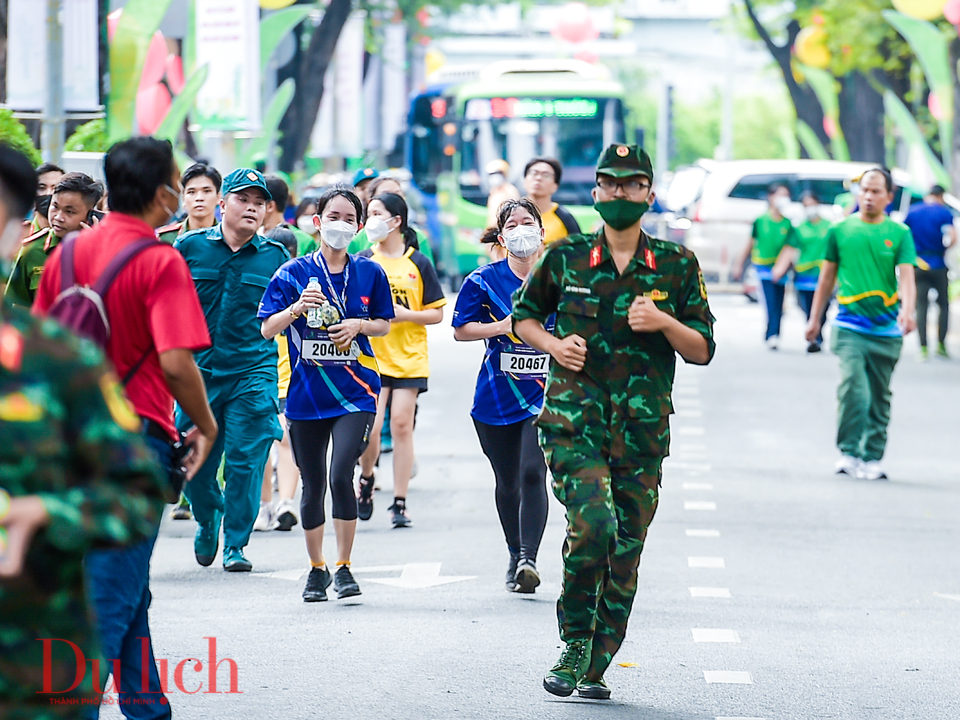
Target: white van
[710, 206]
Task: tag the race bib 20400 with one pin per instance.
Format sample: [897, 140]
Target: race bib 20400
[321, 350]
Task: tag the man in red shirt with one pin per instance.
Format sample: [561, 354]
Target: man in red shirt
[155, 325]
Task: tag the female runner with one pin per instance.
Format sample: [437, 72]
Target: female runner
[334, 382]
[510, 388]
[402, 355]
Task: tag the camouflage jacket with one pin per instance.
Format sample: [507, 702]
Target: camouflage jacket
[69, 436]
[626, 382]
[28, 267]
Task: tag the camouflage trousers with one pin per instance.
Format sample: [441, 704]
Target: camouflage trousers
[608, 511]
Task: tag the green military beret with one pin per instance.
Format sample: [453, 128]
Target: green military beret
[620, 160]
[243, 178]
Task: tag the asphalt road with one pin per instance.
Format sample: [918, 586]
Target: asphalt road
[769, 587]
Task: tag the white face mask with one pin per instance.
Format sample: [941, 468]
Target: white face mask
[305, 223]
[812, 212]
[781, 204]
[377, 229]
[523, 240]
[337, 233]
[496, 180]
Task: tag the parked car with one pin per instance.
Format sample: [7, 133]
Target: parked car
[710, 206]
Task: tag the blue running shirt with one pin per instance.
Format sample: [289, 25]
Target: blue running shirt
[513, 375]
[329, 382]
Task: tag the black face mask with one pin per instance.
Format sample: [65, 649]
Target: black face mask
[42, 204]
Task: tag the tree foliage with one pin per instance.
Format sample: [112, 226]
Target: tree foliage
[89, 137]
[14, 134]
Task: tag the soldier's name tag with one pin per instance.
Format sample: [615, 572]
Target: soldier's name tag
[524, 363]
[323, 351]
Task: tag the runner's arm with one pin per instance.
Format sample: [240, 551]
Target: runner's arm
[186, 384]
[482, 331]
[828, 278]
[907, 288]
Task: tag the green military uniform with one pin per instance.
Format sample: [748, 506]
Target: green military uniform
[69, 436]
[28, 267]
[604, 430]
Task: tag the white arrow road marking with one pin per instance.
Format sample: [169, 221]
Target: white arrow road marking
[705, 562]
[948, 597]
[699, 505]
[420, 575]
[709, 592]
[715, 635]
[691, 532]
[293, 575]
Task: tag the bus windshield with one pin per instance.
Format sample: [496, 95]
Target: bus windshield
[572, 129]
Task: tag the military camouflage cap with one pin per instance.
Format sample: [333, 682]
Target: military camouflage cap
[243, 178]
[621, 160]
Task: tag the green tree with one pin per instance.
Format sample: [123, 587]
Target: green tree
[15, 135]
[89, 137]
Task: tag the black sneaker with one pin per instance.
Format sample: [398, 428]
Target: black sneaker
[398, 515]
[511, 580]
[365, 498]
[344, 583]
[527, 576]
[317, 583]
[814, 347]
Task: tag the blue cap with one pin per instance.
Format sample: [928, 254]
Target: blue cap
[243, 178]
[364, 174]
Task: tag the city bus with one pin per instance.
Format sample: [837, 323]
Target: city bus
[511, 110]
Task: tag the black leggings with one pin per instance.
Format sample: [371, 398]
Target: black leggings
[937, 280]
[521, 475]
[309, 440]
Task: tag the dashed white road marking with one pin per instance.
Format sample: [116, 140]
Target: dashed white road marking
[715, 635]
[687, 402]
[686, 390]
[689, 414]
[709, 592]
[689, 430]
[699, 505]
[695, 532]
[421, 575]
[732, 677]
[697, 486]
[689, 448]
[947, 597]
[705, 562]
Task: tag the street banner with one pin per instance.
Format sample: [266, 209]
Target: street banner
[27, 55]
[228, 42]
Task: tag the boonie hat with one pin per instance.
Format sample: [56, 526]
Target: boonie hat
[364, 174]
[621, 160]
[243, 178]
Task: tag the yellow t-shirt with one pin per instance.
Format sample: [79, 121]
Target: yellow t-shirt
[402, 353]
[558, 223]
[283, 366]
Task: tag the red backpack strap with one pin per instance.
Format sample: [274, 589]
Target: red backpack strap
[67, 275]
[119, 262]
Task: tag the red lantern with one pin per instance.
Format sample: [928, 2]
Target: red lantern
[175, 73]
[153, 104]
[155, 64]
[575, 24]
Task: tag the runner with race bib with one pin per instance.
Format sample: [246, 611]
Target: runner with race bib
[329, 304]
[510, 387]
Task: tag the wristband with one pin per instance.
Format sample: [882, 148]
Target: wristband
[292, 313]
[4, 503]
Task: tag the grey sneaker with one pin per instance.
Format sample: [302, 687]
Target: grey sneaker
[527, 576]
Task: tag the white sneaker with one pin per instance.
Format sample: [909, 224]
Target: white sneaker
[848, 465]
[286, 515]
[266, 520]
[773, 342]
[871, 470]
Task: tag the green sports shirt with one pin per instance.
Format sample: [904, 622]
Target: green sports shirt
[867, 256]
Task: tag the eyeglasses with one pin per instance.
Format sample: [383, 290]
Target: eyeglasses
[545, 174]
[631, 187]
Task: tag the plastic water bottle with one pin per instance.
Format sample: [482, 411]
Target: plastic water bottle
[313, 314]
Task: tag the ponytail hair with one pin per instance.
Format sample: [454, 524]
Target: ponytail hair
[397, 207]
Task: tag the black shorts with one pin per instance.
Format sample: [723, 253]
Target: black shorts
[419, 384]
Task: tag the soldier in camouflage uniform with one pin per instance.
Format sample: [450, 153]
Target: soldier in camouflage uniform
[625, 305]
[73, 475]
